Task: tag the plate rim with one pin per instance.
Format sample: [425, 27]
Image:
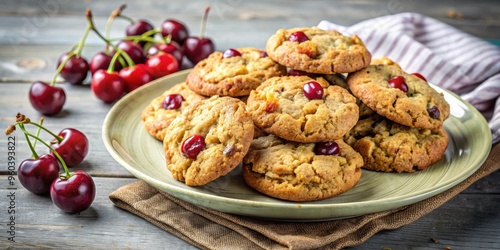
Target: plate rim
[394, 202]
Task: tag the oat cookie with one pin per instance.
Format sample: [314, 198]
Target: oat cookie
[280, 107]
[292, 171]
[384, 60]
[157, 115]
[420, 106]
[391, 147]
[227, 130]
[233, 76]
[323, 52]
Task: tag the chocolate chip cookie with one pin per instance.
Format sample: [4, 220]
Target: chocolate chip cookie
[233, 75]
[290, 108]
[208, 140]
[401, 97]
[318, 51]
[293, 171]
[391, 147]
[163, 109]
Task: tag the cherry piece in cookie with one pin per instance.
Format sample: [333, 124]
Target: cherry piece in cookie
[434, 112]
[231, 53]
[298, 36]
[327, 148]
[192, 146]
[313, 90]
[399, 82]
[419, 76]
[173, 101]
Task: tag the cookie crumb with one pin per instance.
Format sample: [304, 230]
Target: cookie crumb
[447, 248]
[434, 240]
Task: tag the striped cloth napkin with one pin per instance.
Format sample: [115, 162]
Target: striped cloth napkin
[446, 56]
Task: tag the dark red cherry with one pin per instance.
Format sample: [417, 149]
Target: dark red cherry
[101, 60]
[135, 76]
[192, 146]
[434, 112]
[162, 64]
[313, 90]
[172, 48]
[176, 29]
[73, 194]
[173, 101]
[46, 99]
[298, 36]
[419, 76]
[138, 28]
[106, 86]
[263, 53]
[37, 175]
[399, 82]
[75, 69]
[231, 53]
[134, 50]
[73, 146]
[196, 49]
[327, 148]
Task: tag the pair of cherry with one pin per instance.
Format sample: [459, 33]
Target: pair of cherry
[72, 192]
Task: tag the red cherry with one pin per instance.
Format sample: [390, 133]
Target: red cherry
[73, 194]
[313, 90]
[298, 36]
[102, 60]
[434, 112]
[135, 76]
[162, 65]
[138, 28]
[263, 53]
[37, 175]
[46, 99]
[75, 70]
[173, 101]
[192, 146]
[73, 147]
[176, 29]
[419, 76]
[133, 50]
[399, 82]
[231, 53]
[293, 72]
[197, 49]
[327, 148]
[106, 86]
[172, 48]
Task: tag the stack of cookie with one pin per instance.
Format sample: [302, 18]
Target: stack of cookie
[300, 129]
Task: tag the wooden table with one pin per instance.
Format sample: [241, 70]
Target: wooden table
[33, 34]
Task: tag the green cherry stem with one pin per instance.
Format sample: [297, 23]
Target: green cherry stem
[58, 138]
[32, 148]
[66, 170]
[204, 22]
[61, 66]
[129, 60]
[37, 132]
[112, 17]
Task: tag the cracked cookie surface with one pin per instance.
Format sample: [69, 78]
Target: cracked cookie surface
[371, 86]
[326, 52]
[227, 129]
[292, 171]
[233, 76]
[280, 107]
[156, 117]
[391, 147]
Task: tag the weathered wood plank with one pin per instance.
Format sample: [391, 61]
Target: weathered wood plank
[468, 221]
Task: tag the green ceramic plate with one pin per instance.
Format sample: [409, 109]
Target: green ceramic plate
[142, 155]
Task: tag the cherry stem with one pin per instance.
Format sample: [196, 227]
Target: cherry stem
[82, 42]
[90, 21]
[127, 18]
[58, 138]
[61, 66]
[32, 148]
[66, 170]
[116, 56]
[204, 22]
[112, 16]
[37, 132]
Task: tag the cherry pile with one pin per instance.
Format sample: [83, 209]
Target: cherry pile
[72, 192]
[126, 63]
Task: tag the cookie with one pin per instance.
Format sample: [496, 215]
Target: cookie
[319, 51]
[233, 76]
[293, 171]
[222, 131]
[412, 102]
[159, 114]
[280, 107]
[384, 60]
[391, 147]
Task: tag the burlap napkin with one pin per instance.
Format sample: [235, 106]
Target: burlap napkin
[209, 229]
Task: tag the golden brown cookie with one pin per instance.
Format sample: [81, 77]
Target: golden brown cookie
[319, 51]
[410, 100]
[384, 60]
[208, 140]
[391, 147]
[293, 171]
[161, 111]
[233, 76]
[280, 106]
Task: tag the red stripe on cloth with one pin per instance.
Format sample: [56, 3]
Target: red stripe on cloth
[402, 52]
[414, 55]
